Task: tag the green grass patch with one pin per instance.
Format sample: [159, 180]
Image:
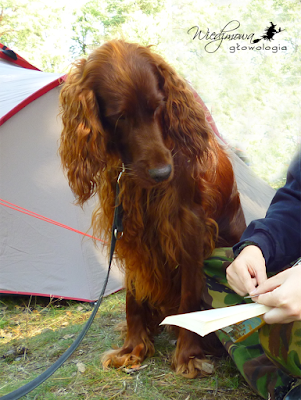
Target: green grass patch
[35, 332]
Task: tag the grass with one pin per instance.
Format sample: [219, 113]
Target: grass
[34, 332]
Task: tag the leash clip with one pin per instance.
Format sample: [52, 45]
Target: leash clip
[116, 232]
[121, 172]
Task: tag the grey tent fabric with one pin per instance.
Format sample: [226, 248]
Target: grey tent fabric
[37, 257]
[255, 194]
[18, 83]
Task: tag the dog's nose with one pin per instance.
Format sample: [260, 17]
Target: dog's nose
[160, 174]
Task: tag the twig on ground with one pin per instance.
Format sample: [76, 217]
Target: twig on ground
[120, 392]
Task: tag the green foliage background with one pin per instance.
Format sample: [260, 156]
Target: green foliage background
[253, 95]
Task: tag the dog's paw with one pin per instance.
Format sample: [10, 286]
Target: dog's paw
[189, 358]
[127, 356]
[194, 367]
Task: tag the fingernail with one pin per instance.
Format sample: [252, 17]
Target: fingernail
[253, 292]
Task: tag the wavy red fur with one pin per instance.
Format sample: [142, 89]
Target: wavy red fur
[125, 104]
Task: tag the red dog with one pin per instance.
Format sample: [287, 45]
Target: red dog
[126, 105]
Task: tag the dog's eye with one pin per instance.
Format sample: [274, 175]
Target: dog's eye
[116, 118]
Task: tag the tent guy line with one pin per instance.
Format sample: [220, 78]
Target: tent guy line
[42, 218]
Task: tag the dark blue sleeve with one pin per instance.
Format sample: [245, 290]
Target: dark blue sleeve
[279, 234]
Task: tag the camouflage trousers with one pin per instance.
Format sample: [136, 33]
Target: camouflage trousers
[270, 358]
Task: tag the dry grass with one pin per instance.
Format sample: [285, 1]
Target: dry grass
[34, 332]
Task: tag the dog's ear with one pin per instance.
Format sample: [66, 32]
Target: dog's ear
[82, 139]
[184, 118]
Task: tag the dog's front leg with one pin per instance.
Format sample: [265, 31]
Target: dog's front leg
[139, 342]
[189, 358]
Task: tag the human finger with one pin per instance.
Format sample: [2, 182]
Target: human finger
[240, 282]
[261, 276]
[268, 285]
[277, 316]
[270, 299]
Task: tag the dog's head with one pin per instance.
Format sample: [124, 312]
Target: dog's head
[130, 100]
[125, 102]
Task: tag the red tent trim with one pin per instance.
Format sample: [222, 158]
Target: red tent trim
[8, 292]
[209, 117]
[14, 58]
[31, 98]
[18, 61]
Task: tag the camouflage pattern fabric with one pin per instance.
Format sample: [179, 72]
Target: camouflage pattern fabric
[269, 359]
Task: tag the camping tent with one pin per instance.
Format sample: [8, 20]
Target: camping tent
[37, 257]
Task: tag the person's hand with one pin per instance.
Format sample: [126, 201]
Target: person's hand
[283, 292]
[247, 271]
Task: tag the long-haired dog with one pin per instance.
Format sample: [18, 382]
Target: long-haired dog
[126, 105]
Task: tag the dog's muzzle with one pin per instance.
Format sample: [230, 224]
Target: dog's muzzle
[160, 174]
